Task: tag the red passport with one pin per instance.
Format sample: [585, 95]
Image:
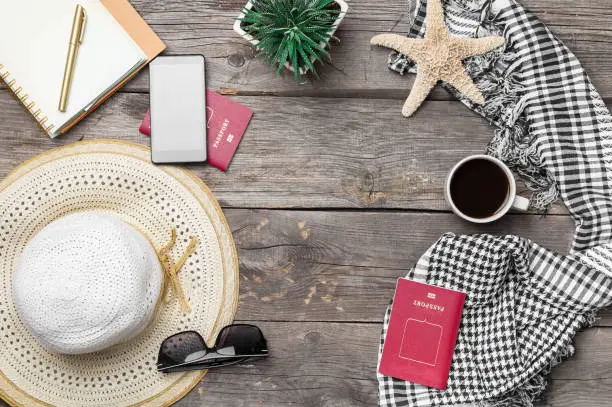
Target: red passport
[422, 333]
[227, 121]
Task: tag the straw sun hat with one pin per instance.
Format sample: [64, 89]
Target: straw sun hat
[102, 256]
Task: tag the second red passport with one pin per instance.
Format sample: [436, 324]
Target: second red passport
[422, 333]
[226, 122]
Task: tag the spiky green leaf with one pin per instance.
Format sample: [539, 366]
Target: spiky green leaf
[291, 30]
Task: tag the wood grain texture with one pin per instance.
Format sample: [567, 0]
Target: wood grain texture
[315, 364]
[302, 152]
[333, 195]
[357, 69]
[343, 266]
[331, 365]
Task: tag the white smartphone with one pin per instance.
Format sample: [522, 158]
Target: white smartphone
[178, 109]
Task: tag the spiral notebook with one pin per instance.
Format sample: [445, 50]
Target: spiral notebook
[34, 36]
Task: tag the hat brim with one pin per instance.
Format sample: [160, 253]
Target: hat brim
[118, 178]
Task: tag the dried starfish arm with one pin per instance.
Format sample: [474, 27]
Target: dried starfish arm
[469, 47]
[460, 80]
[407, 46]
[435, 21]
[423, 84]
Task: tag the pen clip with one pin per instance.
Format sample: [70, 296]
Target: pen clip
[83, 26]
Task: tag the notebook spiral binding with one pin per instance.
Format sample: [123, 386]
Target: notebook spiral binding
[20, 94]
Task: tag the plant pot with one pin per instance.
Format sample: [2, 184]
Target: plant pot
[238, 28]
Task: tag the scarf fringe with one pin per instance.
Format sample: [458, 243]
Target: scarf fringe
[604, 120]
[506, 99]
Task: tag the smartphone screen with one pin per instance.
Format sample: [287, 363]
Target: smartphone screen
[178, 109]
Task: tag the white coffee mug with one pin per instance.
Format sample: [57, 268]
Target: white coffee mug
[513, 201]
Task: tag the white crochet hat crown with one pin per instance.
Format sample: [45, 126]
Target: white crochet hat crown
[86, 282]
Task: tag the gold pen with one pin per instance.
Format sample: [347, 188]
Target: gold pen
[76, 38]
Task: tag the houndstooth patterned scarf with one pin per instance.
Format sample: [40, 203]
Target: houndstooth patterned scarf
[524, 303]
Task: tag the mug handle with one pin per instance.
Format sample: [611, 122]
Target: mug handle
[520, 204]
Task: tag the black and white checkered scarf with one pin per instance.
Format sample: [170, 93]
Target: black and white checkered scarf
[524, 303]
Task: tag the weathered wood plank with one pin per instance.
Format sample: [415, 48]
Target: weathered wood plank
[343, 266]
[314, 364]
[578, 393]
[301, 152]
[593, 358]
[334, 365]
[205, 26]
[325, 365]
[337, 266]
[120, 117]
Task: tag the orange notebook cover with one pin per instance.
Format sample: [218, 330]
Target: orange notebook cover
[141, 33]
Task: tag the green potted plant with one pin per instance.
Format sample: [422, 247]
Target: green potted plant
[291, 33]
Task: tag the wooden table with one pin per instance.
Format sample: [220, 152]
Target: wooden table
[333, 195]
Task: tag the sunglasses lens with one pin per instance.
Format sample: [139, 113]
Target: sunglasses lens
[181, 348]
[217, 362]
[241, 340]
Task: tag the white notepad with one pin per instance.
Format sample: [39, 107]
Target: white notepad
[34, 36]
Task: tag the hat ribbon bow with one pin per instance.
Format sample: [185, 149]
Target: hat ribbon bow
[171, 271]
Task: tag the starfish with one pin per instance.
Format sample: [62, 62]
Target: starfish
[438, 57]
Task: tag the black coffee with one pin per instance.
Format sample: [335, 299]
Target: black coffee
[479, 188]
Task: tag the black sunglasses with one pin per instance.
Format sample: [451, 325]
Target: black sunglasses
[188, 351]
